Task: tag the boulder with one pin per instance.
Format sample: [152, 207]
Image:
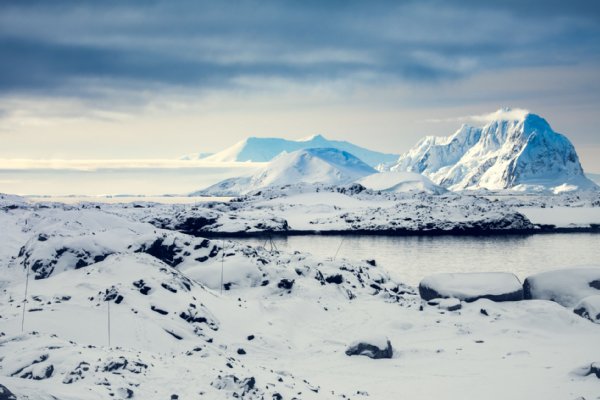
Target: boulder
[495, 286]
[565, 286]
[378, 347]
[589, 308]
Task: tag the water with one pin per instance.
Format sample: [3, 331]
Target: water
[409, 259]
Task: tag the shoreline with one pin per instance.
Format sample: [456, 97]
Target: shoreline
[545, 229]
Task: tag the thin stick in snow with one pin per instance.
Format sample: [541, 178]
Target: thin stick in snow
[108, 317]
[222, 264]
[25, 298]
[338, 249]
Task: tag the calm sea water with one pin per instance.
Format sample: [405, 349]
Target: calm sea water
[409, 259]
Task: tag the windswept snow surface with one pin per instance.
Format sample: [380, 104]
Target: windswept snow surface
[516, 150]
[400, 182]
[277, 328]
[310, 166]
[257, 149]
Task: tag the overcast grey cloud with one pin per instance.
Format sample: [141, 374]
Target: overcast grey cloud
[199, 65]
[54, 47]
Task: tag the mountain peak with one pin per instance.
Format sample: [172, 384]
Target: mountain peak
[328, 166]
[311, 138]
[514, 149]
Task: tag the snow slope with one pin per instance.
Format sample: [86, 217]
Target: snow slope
[319, 165]
[400, 182]
[258, 149]
[516, 150]
[278, 330]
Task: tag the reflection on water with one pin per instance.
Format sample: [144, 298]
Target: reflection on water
[409, 258]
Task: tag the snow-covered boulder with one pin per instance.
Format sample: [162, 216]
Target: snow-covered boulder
[589, 308]
[373, 347]
[564, 286]
[496, 286]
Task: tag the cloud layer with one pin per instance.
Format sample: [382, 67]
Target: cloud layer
[80, 48]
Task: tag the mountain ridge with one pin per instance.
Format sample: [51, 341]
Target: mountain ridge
[259, 149]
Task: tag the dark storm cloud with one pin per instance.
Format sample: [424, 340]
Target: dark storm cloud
[67, 47]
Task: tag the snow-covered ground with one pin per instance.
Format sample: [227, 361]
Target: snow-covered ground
[311, 208]
[563, 216]
[278, 327]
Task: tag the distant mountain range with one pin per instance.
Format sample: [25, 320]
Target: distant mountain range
[309, 166]
[515, 150]
[258, 149]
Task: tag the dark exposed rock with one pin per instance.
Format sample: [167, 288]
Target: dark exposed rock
[176, 336]
[594, 370]
[166, 253]
[158, 310]
[144, 289]
[370, 350]
[286, 284]
[337, 279]
[193, 225]
[6, 394]
[168, 287]
[187, 316]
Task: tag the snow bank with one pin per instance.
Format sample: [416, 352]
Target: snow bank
[496, 286]
[564, 286]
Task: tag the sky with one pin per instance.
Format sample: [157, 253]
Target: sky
[159, 79]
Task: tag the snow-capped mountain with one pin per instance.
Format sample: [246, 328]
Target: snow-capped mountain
[320, 165]
[400, 182]
[515, 150]
[258, 149]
